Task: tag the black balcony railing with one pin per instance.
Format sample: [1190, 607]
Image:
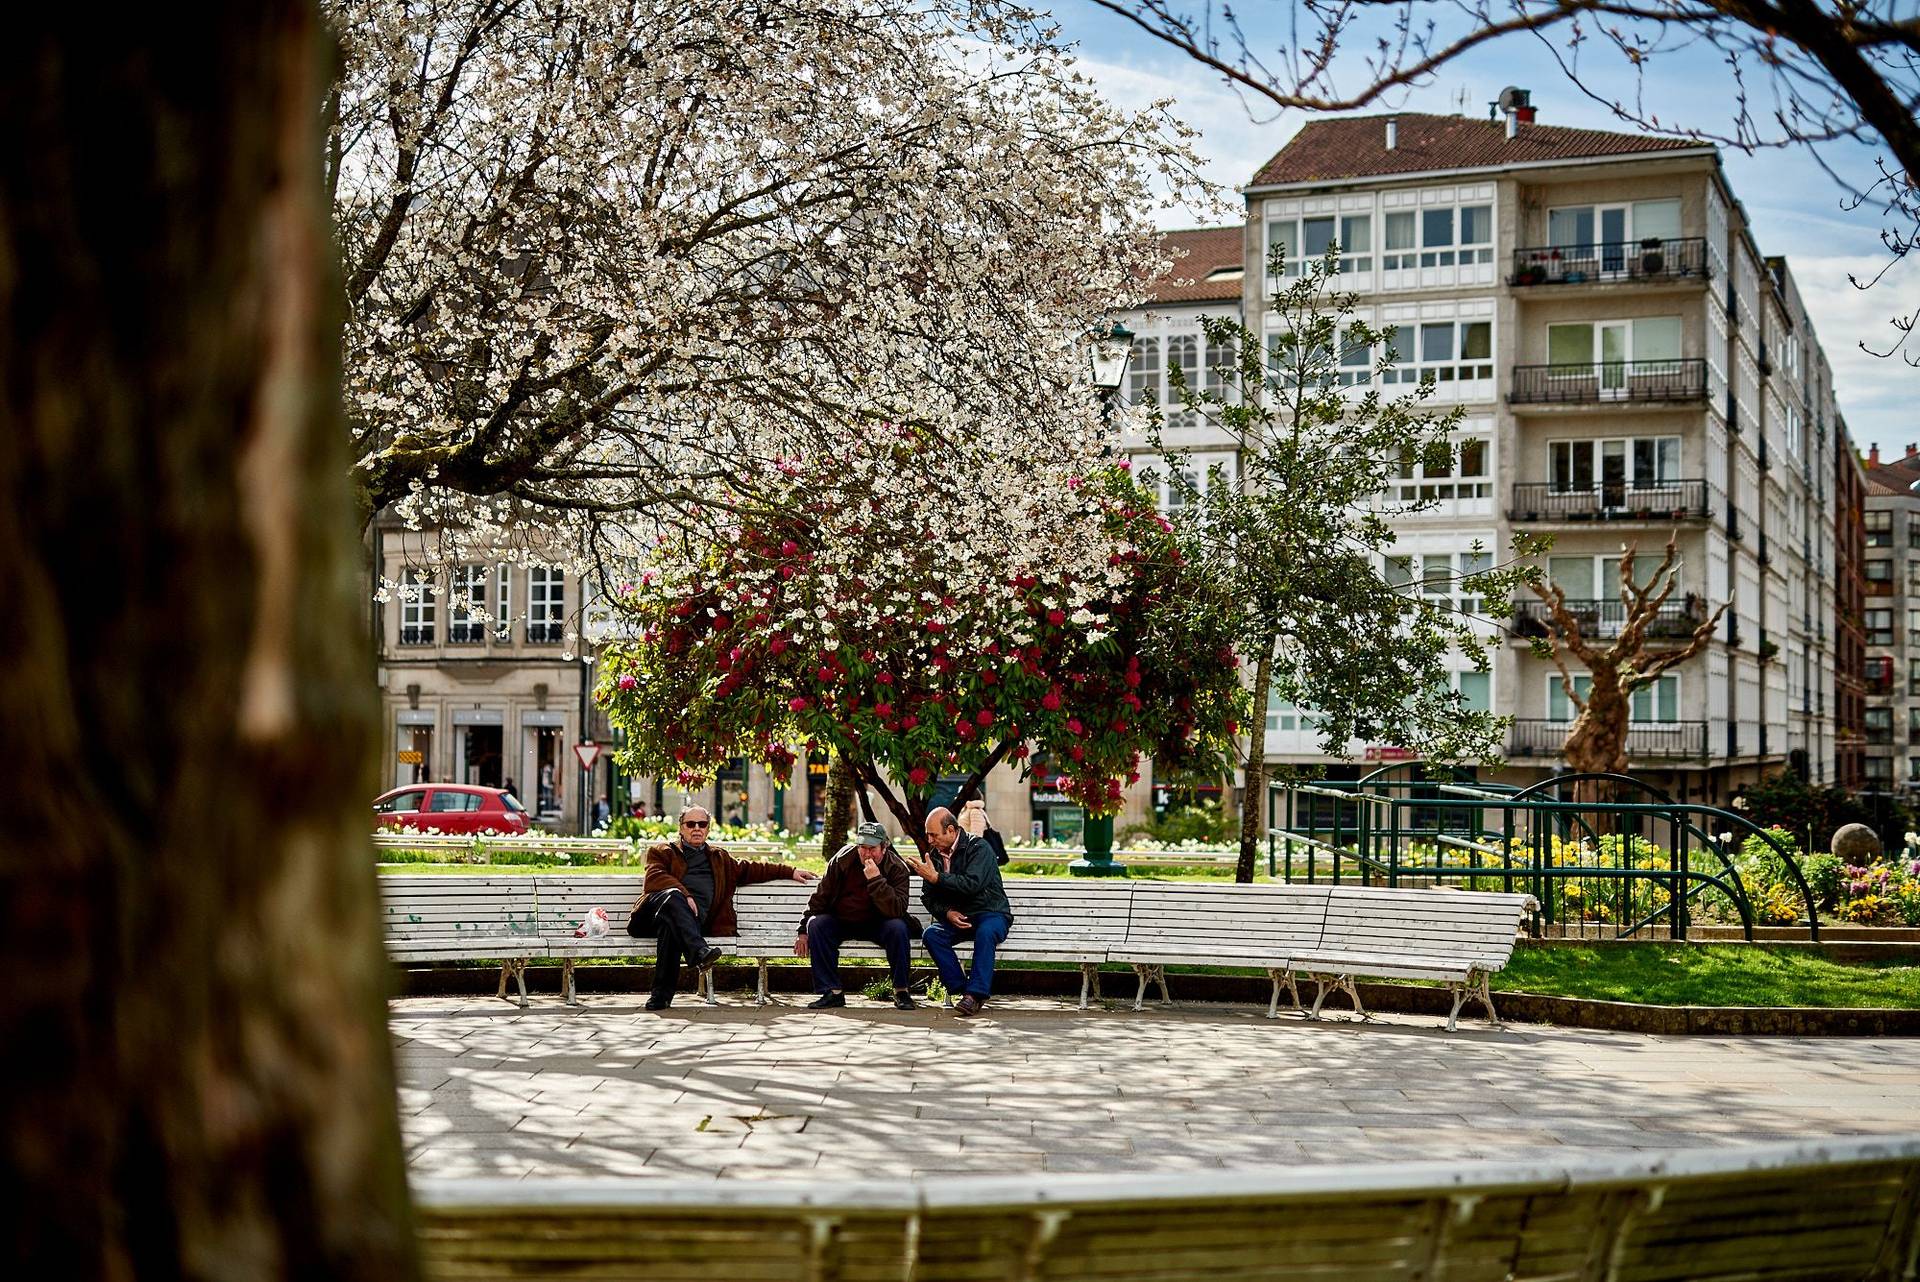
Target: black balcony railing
[1604, 619]
[1682, 378]
[546, 633]
[416, 634]
[1669, 739]
[1609, 501]
[1681, 258]
[466, 633]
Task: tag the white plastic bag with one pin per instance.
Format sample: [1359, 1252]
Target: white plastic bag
[595, 925]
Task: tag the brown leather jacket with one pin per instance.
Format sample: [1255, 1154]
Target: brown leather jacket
[845, 884]
[666, 866]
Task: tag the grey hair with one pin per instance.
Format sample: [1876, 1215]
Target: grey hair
[687, 813]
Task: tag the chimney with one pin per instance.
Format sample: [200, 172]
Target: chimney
[1912, 450]
[1873, 455]
[1517, 105]
[1393, 132]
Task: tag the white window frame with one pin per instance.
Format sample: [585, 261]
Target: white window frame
[546, 600]
[419, 608]
[1410, 344]
[1417, 484]
[1288, 229]
[468, 584]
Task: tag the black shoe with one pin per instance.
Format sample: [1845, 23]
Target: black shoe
[903, 1000]
[709, 957]
[659, 1003]
[824, 1000]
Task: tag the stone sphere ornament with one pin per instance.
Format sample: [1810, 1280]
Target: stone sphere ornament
[1856, 844]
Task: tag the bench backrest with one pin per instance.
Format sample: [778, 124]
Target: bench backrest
[1837, 1209]
[1196, 917]
[566, 900]
[417, 907]
[1047, 911]
[1463, 925]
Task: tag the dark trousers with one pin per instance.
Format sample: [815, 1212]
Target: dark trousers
[825, 932]
[679, 936]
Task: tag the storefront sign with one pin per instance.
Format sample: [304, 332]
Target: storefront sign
[1385, 752]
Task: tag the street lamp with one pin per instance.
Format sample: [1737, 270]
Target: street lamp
[1111, 349]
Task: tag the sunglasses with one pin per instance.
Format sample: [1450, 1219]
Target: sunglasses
[695, 823]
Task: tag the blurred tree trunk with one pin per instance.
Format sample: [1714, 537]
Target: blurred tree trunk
[1253, 797]
[198, 1078]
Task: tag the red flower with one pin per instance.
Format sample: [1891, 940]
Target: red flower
[825, 673]
[1056, 617]
[1051, 701]
[629, 682]
[1077, 752]
[1074, 726]
[797, 704]
[884, 678]
[776, 645]
[883, 709]
[909, 721]
[788, 547]
[984, 717]
[917, 776]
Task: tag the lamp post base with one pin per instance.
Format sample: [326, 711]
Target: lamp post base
[1098, 835]
[1097, 868]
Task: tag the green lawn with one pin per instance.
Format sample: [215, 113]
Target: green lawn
[1707, 975]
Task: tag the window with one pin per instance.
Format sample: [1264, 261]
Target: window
[1400, 243]
[1463, 476]
[1305, 240]
[1451, 351]
[1654, 704]
[1913, 529]
[1879, 570]
[1878, 770]
[418, 607]
[399, 803]
[1476, 691]
[1913, 679]
[1143, 374]
[1879, 627]
[1644, 462]
[1356, 364]
[1202, 471]
[1587, 578]
[1649, 344]
[546, 603]
[1441, 575]
[445, 802]
[1590, 227]
[1183, 356]
[1449, 236]
[503, 613]
[469, 595]
[1880, 528]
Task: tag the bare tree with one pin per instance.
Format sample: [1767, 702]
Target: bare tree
[1802, 73]
[198, 1077]
[1597, 743]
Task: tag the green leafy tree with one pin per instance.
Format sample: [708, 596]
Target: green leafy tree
[1329, 619]
[754, 643]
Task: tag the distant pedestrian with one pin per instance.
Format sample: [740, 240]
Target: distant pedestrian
[602, 812]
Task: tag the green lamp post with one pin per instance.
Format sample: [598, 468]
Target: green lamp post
[1098, 836]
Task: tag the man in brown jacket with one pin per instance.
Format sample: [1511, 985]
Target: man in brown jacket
[863, 896]
[688, 894]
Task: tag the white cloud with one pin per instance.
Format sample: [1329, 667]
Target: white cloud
[1876, 393]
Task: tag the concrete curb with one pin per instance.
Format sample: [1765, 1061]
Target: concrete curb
[1528, 1008]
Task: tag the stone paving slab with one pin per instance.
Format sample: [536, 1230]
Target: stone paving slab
[744, 1092]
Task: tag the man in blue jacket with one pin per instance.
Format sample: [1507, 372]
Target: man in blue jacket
[964, 896]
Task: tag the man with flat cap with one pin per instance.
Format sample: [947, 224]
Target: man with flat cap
[862, 896]
[964, 894]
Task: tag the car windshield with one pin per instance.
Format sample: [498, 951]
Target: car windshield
[513, 802]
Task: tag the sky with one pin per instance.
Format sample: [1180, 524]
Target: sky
[1795, 207]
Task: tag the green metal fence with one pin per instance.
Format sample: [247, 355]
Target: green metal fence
[1603, 855]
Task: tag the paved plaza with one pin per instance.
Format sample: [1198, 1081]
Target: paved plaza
[737, 1091]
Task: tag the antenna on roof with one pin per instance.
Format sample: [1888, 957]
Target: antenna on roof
[1460, 101]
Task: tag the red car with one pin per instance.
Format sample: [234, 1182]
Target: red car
[449, 807]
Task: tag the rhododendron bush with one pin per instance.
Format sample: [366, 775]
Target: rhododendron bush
[755, 645]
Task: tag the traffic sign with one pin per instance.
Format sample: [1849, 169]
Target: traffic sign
[588, 752]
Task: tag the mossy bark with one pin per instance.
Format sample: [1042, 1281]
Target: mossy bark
[198, 1081]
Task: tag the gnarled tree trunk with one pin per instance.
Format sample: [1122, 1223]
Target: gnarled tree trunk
[198, 1079]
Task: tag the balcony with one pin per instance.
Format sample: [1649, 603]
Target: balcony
[1603, 619]
[416, 634]
[1612, 262]
[1651, 501]
[1673, 740]
[1652, 382]
[466, 633]
[546, 633]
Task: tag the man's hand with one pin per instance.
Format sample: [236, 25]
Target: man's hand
[958, 919]
[871, 862]
[922, 868]
[800, 946]
[805, 874]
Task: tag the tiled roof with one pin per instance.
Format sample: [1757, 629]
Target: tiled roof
[1356, 146]
[1207, 250]
[1892, 479]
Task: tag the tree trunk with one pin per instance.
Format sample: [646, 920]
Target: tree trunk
[198, 1077]
[840, 803]
[1253, 800]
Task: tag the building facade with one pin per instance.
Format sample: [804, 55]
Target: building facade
[1628, 366]
[1889, 730]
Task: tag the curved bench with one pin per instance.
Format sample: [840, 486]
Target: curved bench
[1844, 1209]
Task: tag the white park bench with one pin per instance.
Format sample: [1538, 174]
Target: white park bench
[459, 918]
[1458, 937]
[1837, 1209]
[1054, 920]
[1332, 935]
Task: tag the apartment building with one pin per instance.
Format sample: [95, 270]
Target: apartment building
[1628, 365]
[1890, 623]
